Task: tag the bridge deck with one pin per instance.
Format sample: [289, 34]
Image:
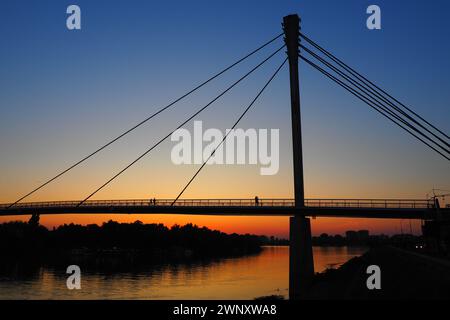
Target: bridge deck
[362, 208]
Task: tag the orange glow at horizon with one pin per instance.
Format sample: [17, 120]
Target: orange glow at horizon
[269, 226]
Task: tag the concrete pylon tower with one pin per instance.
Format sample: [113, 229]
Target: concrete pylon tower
[301, 263]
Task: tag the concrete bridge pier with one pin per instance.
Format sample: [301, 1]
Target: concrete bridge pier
[301, 261]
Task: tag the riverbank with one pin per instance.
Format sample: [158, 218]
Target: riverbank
[404, 275]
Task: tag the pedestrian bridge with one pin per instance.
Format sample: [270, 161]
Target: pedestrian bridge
[362, 208]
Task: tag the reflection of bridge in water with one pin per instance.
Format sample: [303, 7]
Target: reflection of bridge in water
[356, 208]
[301, 259]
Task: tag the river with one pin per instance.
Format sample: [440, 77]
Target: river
[246, 277]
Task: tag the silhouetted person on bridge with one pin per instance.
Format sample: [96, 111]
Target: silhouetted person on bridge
[436, 203]
[256, 201]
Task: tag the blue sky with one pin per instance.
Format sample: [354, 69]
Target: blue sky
[64, 93]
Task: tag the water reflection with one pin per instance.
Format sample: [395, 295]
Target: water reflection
[246, 277]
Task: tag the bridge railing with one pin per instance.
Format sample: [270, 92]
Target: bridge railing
[370, 203]
[317, 203]
[158, 202]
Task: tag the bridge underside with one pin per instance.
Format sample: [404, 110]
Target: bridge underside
[374, 213]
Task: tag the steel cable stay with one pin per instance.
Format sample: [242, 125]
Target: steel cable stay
[228, 132]
[368, 102]
[76, 164]
[369, 83]
[181, 125]
[376, 99]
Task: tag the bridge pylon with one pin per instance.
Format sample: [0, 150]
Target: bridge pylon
[301, 263]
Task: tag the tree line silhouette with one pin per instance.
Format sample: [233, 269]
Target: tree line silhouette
[155, 241]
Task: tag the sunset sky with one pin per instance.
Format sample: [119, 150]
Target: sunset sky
[65, 93]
